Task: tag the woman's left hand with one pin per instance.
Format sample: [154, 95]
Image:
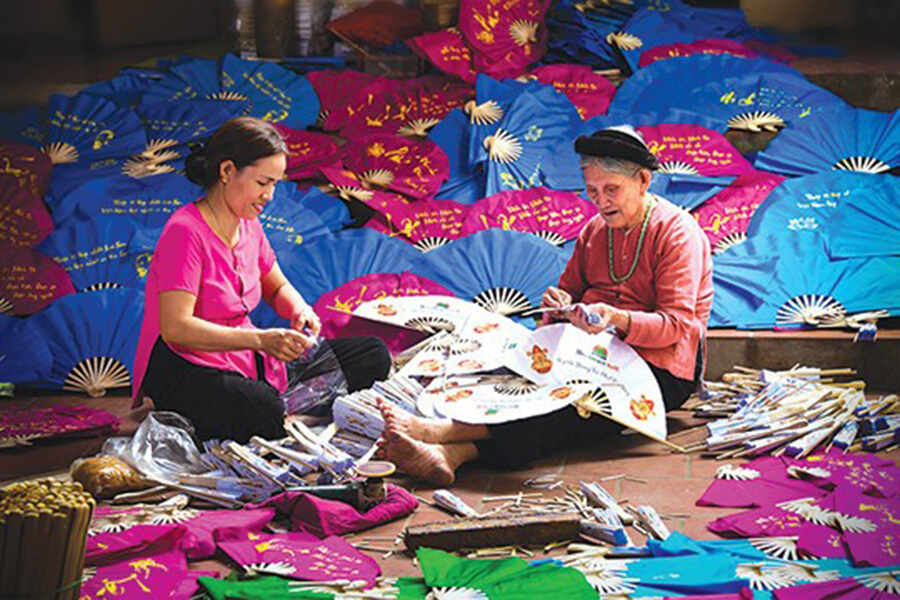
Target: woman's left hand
[585, 317]
[306, 321]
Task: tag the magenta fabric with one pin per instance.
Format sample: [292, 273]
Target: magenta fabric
[386, 105]
[379, 200]
[534, 210]
[191, 257]
[589, 92]
[140, 540]
[55, 421]
[447, 51]
[335, 90]
[189, 586]
[868, 473]
[312, 559]
[323, 518]
[27, 165]
[417, 168]
[775, 52]
[157, 575]
[878, 548]
[704, 149]
[30, 280]
[700, 47]
[307, 152]
[729, 212]
[485, 25]
[841, 589]
[422, 219]
[24, 219]
[771, 487]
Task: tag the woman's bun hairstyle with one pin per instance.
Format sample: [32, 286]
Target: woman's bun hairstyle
[243, 141]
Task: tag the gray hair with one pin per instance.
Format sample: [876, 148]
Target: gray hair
[617, 166]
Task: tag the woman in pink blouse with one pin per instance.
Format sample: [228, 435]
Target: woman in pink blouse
[643, 266]
[199, 354]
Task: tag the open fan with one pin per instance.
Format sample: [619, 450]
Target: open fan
[555, 217]
[81, 128]
[414, 168]
[504, 37]
[307, 152]
[148, 202]
[96, 255]
[335, 88]
[24, 354]
[686, 190]
[867, 224]
[407, 107]
[350, 188]
[126, 88]
[741, 284]
[29, 280]
[664, 51]
[24, 219]
[27, 166]
[287, 222]
[465, 183]
[869, 526]
[187, 79]
[876, 585]
[590, 92]
[491, 104]
[645, 30]
[842, 139]
[93, 338]
[427, 224]
[686, 149]
[485, 267]
[332, 211]
[447, 51]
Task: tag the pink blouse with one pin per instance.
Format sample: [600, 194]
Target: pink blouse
[668, 297]
[226, 282]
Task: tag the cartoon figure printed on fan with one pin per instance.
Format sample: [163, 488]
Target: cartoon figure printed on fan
[642, 267]
[199, 354]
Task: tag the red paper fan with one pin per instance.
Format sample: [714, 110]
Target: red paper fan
[446, 50]
[24, 220]
[29, 280]
[392, 163]
[589, 92]
[307, 152]
[505, 36]
[335, 90]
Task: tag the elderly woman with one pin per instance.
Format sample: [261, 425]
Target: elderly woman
[643, 265]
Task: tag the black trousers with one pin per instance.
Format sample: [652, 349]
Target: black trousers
[227, 405]
[514, 445]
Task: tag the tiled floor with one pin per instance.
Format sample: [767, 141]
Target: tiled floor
[670, 482]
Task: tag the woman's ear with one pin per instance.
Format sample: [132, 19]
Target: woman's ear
[645, 176]
[227, 170]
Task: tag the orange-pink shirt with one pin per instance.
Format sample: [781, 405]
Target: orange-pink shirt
[227, 283]
[669, 295]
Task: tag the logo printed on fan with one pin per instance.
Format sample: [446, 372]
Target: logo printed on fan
[599, 354]
[540, 362]
[642, 409]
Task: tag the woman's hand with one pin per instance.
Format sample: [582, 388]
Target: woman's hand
[284, 344]
[592, 318]
[554, 298]
[306, 321]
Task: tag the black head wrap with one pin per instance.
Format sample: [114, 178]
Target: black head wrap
[614, 143]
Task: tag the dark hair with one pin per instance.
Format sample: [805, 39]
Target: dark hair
[243, 141]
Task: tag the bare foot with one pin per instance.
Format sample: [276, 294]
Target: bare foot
[421, 460]
[423, 430]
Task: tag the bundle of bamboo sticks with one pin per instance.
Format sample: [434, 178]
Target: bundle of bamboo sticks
[43, 529]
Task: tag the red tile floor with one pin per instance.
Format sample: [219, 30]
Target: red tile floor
[670, 482]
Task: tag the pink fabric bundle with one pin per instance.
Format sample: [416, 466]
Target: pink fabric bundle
[30, 280]
[324, 518]
[54, 422]
[303, 556]
[589, 92]
[307, 152]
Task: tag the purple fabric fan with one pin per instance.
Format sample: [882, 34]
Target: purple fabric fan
[24, 219]
[871, 587]
[30, 280]
[157, 575]
[302, 556]
[116, 545]
[25, 424]
[871, 527]
[762, 482]
[867, 473]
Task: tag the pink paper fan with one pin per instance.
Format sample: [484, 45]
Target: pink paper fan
[307, 152]
[867, 473]
[157, 575]
[762, 482]
[106, 547]
[505, 36]
[349, 187]
[862, 587]
[29, 280]
[24, 219]
[424, 223]
[335, 308]
[302, 556]
[700, 47]
[447, 51]
[871, 527]
[26, 165]
[552, 215]
[26, 424]
[407, 107]
[589, 92]
[694, 150]
[724, 217]
[335, 89]
[414, 168]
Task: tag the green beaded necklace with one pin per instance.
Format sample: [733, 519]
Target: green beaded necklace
[609, 236]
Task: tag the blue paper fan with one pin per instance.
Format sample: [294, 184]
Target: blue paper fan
[78, 129]
[287, 222]
[648, 29]
[845, 138]
[867, 224]
[68, 177]
[465, 184]
[487, 268]
[24, 354]
[147, 202]
[173, 127]
[187, 79]
[275, 94]
[96, 254]
[127, 88]
[740, 285]
[688, 191]
[330, 210]
[536, 127]
[93, 338]
[492, 102]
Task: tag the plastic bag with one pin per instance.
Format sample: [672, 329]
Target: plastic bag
[314, 381]
[162, 448]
